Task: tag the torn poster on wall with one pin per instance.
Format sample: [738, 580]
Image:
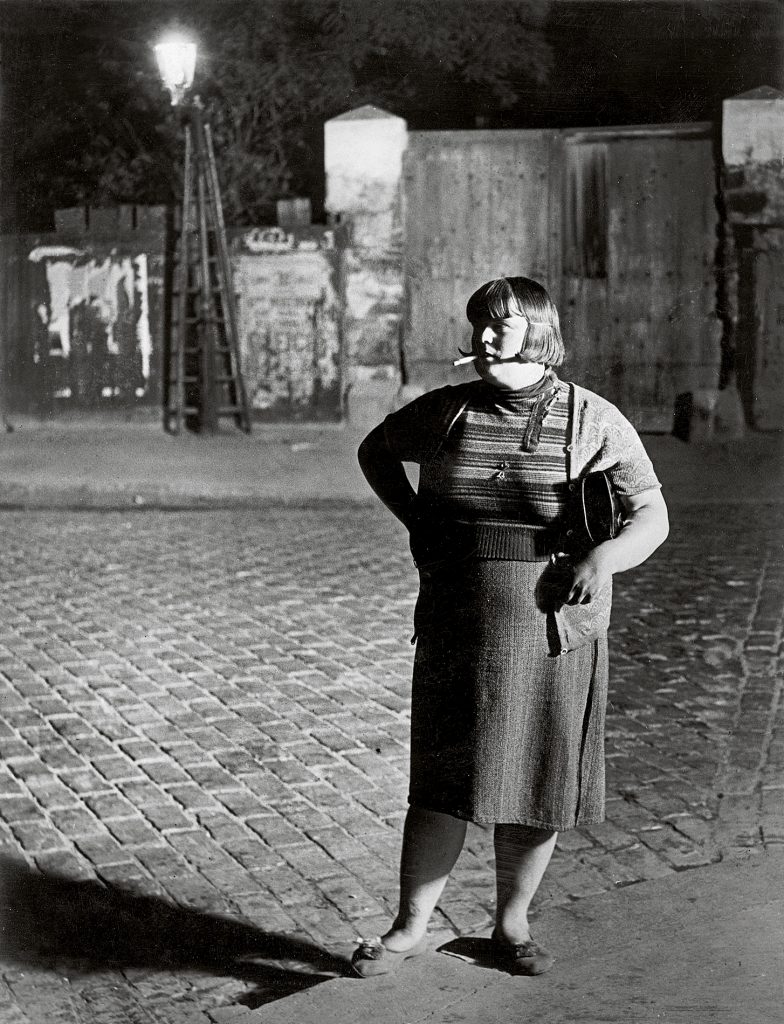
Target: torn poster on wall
[289, 332]
[93, 317]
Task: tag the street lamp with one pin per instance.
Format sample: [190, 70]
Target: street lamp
[176, 57]
[202, 377]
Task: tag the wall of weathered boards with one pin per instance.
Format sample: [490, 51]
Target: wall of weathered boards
[753, 299]
[619, 224]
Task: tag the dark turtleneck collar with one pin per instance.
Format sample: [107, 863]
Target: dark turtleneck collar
[535, 399]
[522, 396]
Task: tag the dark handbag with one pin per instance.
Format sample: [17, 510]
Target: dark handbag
[593, 514]
[600, 512]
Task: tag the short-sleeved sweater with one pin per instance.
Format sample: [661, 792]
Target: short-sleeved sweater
[491, 422]
[472, 443]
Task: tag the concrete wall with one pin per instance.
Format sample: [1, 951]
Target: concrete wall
[363, 163]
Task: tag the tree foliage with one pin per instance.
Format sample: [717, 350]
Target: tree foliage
[276, 71]
[93, 124]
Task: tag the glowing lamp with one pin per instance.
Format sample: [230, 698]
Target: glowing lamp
[176, 57]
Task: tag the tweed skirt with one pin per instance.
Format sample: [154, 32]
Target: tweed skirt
[503, 731]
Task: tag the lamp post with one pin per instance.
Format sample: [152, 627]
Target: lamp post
[203, 380]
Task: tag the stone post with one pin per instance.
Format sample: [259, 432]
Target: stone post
[363, 156]
[753, 189]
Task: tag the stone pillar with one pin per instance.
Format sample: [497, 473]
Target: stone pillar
[363, 156]
[753, 189]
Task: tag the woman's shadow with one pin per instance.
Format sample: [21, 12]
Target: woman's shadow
[87, 926]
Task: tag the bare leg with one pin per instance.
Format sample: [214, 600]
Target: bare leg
[521, 858]
[431, 844]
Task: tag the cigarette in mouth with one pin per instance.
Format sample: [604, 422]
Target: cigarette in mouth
[463, 360]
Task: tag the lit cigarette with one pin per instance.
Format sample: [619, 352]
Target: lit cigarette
[463, 360]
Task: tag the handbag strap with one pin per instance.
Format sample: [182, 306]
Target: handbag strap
[571, 431]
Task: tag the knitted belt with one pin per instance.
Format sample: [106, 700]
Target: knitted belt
[453, 540]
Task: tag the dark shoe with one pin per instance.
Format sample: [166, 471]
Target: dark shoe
[371, 957]
[521, 957]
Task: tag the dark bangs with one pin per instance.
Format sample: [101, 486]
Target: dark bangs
[493, 301]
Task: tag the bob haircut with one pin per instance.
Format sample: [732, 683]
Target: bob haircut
[520, 296]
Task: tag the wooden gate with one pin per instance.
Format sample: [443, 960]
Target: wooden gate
[477, 204]
[619, 224]
[760, 331]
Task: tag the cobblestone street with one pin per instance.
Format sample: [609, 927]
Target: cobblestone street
[204, 746]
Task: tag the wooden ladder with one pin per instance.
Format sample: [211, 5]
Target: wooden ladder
[203, 380]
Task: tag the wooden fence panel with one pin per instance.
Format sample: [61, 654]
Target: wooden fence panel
[695, 315]
[477, 206]
[620, 224]
[765, 364]
[638, 211]
[662, 237]
[583, 297]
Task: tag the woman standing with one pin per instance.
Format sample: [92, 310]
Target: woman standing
[510, 672]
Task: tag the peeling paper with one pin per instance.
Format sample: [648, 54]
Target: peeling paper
[143, 334]
[52, 252]
[95, 283]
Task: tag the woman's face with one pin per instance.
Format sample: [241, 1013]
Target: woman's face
[493, 340]
[496, 343]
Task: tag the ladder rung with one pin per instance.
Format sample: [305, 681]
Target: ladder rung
[216, 290]
[192, 258]
[191, 379]
[194, 349]
[223, 410]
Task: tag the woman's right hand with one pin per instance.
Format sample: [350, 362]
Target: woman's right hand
[420, 535]
[411, 516]
[590, 575]
[386, 475]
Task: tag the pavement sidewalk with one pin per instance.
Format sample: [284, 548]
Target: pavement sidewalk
[99, 463]
[110, 464]
[706, 945]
